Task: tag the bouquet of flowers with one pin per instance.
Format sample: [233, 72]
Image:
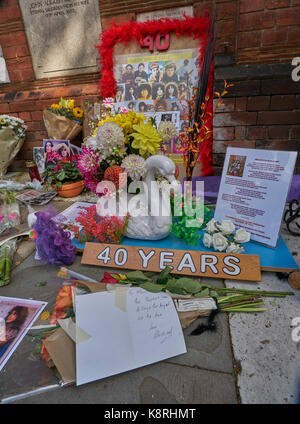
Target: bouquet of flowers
[12, 135]
[9, 210]
[63, 120]
[61, 170]
[224, 236]
[120, 143]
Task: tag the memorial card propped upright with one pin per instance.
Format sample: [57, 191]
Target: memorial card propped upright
[253, 191]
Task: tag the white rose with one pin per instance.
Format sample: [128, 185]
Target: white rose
[234, 248]
[219, 242]
[211, 226]
[227, 226]
[242, 236]
[207, 240]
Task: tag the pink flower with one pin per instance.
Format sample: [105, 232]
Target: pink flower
[108, 102]
[2, 218]
[13, 216]
[58, 168]
[123, 110]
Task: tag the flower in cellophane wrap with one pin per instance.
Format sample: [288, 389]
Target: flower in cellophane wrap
[12, 136]
[63, 121]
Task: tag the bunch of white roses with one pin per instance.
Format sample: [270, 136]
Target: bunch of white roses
[224, 237]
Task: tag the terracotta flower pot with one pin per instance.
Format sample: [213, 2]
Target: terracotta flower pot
[70, 189]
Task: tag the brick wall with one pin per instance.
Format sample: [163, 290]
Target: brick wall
[256, 41]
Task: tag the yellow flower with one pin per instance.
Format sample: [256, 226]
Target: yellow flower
[70, 104]
[78, 112]
[45, 315]
[122, 277]
[125, 121]
[146, 139]
[55, 106]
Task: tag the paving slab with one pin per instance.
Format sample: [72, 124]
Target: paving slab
[270, 359]
[209, 356]
[160, 383]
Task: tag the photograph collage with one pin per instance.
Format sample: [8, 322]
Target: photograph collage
[158, 86]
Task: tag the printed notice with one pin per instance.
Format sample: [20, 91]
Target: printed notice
[254, 189]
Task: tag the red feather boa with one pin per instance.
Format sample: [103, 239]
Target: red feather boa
[188, 26]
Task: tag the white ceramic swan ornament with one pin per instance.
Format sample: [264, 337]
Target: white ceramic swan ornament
[150, 214]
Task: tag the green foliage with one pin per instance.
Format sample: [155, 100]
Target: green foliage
[180, 227]
[59, 172]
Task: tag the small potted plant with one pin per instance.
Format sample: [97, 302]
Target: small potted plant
[63, 175]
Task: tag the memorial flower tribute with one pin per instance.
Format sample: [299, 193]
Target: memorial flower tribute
[224, 237]
[63, 120]
[120, 143]
[12, 136]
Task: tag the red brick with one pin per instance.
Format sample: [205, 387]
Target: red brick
[14, 76]
[27, 75]
[13, 39]
[117, 19]
[256, 20]
[92, 89]
[251, 6]
[225, 45]
[241, 104]
[234, 119]
[25, 116]
[249, 39]
[223, 133]
[275, 36]
[246, 144]
[41, 104]
[62, 92]
[294, 34]
[37, 115]
[289, 16]
[225, 28]
[21, 106]
[276, 4]
[229, 105]
[22, 50]
[9, 13]
[295, 132]
[240, 133]
[280, 87]
[4, 108]
[221, 146]
[200, 9]
[277, 118]
[19, 62]
[277, 131]
[277, 145]
[226, 11]
[34, 126]
[256, 133]
[258, 103]
[297, 102]
[283, 102]
[9, 52]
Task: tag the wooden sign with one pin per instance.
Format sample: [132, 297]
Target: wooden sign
[194, 263]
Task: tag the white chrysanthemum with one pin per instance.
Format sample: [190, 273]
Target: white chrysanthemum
[135, 166]
[166, 130]
[110, 140]
[110, 136]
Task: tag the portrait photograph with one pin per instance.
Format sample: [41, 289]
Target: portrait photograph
[16, 318]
